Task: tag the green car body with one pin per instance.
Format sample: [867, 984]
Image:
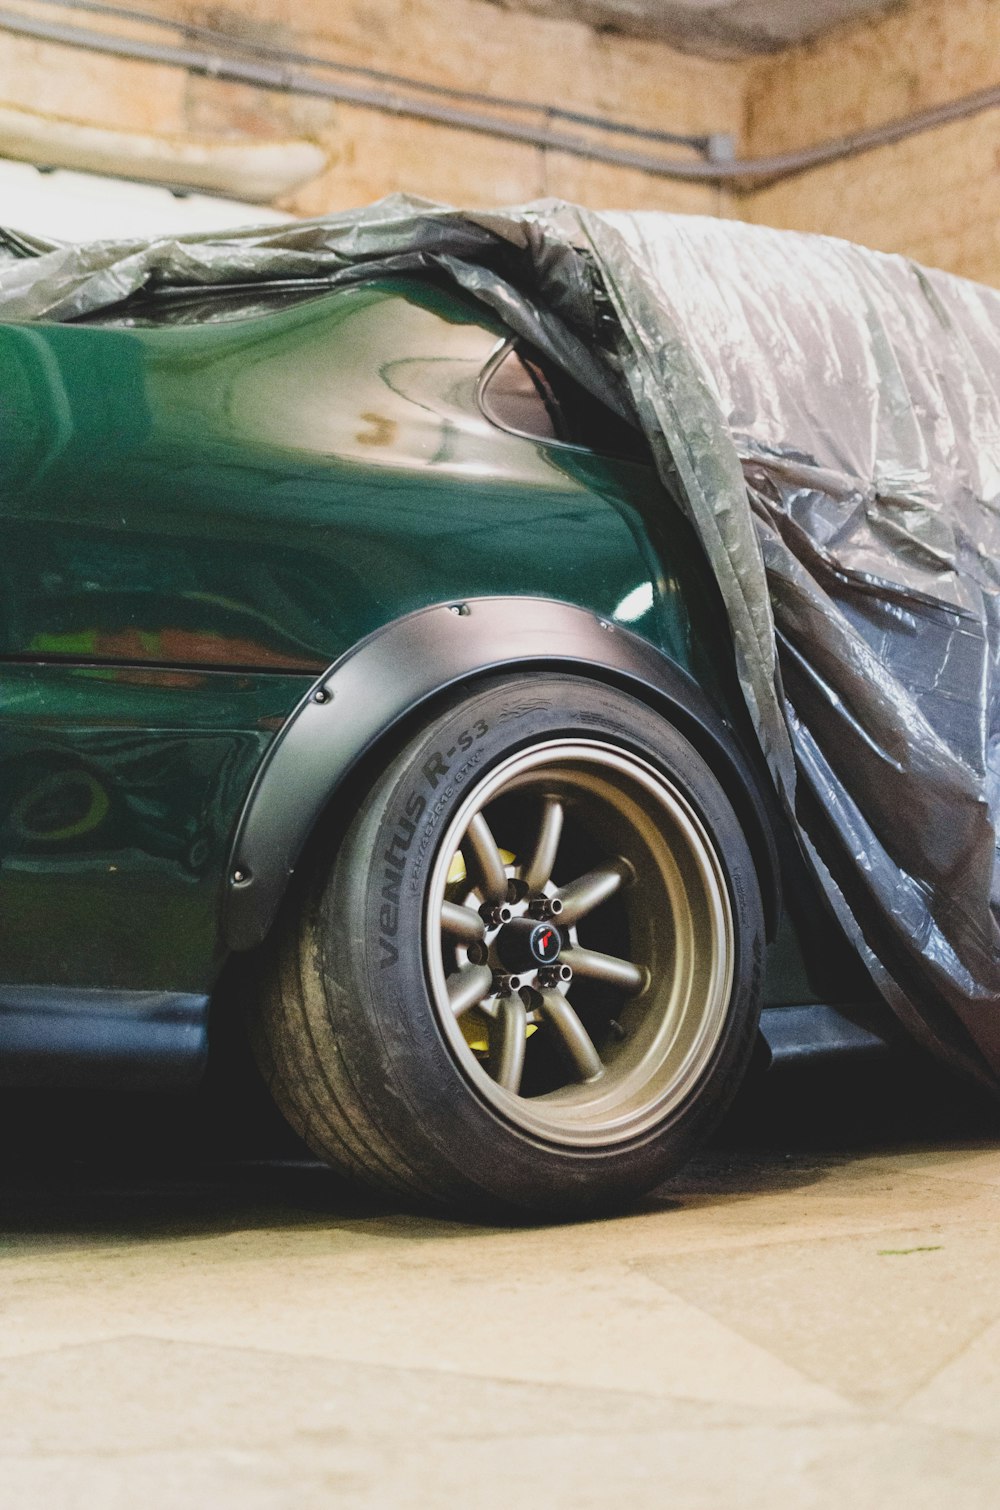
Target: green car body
[199, 520]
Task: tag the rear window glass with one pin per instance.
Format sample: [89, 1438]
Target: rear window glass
[523, 393]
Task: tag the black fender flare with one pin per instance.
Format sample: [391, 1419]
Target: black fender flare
[413, 659]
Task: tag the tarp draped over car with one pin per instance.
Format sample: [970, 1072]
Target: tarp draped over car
[830, 419]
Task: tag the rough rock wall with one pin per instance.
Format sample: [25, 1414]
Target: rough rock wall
[470, 44]
[935, 196]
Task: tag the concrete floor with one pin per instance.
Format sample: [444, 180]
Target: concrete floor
[809, 1317]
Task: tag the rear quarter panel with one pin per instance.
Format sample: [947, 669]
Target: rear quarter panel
[197, 520]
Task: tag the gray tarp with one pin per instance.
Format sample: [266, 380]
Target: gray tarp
[832, 416]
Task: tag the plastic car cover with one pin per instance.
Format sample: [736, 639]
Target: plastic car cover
[830, 418]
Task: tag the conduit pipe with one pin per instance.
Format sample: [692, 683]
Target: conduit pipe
[229, 43]
[259, 171]
[738, 174]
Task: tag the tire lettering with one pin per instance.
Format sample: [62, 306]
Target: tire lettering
[392, 877]
[390, 954]
[435, 767]
[470, 765]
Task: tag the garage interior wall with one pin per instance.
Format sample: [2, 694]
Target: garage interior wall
[935, 196]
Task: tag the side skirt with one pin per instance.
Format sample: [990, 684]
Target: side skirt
[146, 1040]
[104, 1040]
[816, 1033]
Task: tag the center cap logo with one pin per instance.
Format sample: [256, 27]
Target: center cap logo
[545, 943]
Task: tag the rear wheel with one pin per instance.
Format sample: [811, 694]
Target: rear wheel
[529, 978]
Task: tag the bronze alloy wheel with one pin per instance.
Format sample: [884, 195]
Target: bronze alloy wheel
[529, 978]
[579, 940]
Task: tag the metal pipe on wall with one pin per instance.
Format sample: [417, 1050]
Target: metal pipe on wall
[281, 72]
[229, 42]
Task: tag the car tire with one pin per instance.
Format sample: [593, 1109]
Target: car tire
[417, 1028]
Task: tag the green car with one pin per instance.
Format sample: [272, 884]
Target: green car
[350, 646]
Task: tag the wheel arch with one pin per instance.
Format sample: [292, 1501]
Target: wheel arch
[357, 703]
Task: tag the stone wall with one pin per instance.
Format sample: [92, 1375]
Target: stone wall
[474, 45]
[469, 44]
[935, 196]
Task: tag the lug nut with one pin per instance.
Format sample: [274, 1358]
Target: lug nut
[504, 984]
[495, 916]
[478, 954]
[545, 908]
[551, 976]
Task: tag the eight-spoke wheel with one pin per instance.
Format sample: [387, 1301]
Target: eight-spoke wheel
[580, 940]
[529, 977]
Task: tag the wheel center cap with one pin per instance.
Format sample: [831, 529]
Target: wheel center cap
[525, 943]
[545, 943]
